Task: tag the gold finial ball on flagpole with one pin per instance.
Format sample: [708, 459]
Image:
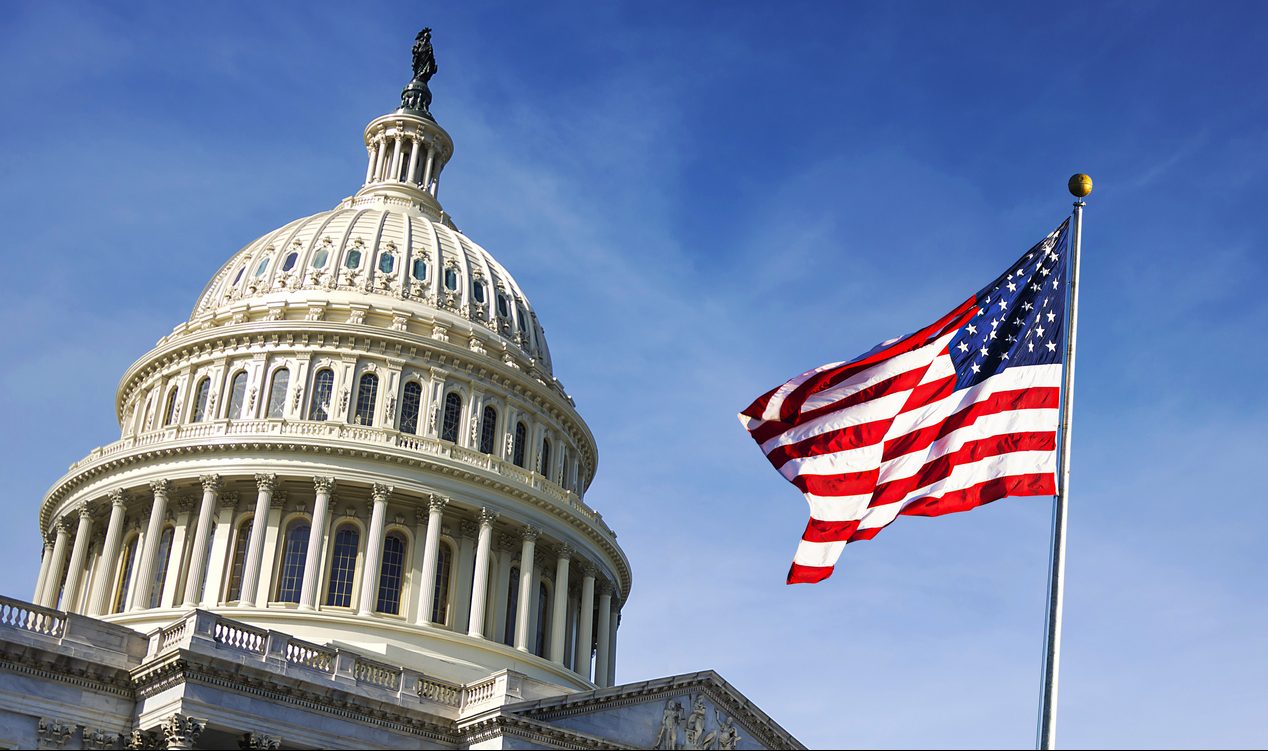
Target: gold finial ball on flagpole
[1080, 185]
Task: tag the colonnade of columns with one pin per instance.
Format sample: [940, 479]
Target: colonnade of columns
[89, 574]
[407, 157]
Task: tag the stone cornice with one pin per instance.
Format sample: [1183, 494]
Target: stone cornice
[497, 726]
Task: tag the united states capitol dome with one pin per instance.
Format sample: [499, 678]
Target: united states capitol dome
[357, 438]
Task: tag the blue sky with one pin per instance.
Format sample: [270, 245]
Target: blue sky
[703, 200]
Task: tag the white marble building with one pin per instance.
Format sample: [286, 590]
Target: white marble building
[346, 509]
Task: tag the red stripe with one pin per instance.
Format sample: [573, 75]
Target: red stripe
[892, 385]
[853, 437]
[818, 530]
[799, 574]
[941, 467]
[928, 393]
[984, 492]
[846, 483]
[829, 378]
[1035, 397]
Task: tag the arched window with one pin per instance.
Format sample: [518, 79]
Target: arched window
[323, 385]
[367, 390]
[521, 437]
[411, 401]
[488, 429]
[390, 574]
[277, 392]
[200, 399]
[440, 594]
[160, 566]
[294, 554]
[343, 566]
[125, 575]
[512, 606]
[453, 412]
[237, 396]
[169, 412]
[545, 458]
[238, 559]
[543, 619]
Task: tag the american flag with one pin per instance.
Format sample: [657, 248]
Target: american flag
[958, 414]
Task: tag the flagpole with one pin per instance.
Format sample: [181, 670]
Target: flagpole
[1080, 186]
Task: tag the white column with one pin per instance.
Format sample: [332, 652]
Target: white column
[480, 580]
[435, 508]
[604, 626]
[524, 602]
[316, 536]
[431, 153]
[374, 548]
[616, 621]
[502, 586]
[413, 160]
[378, 159]
[585, 625]
[83, 535]
[559, 619]
[435, 186]
[395, 168]
[140, 594]
[371, 157]
[220, 544]
[198, 556]
[265, 483]
[100, 591]
[268, 559]
[45, 560]
[54, 580]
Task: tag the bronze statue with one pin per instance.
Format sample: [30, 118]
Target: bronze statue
[417, 94]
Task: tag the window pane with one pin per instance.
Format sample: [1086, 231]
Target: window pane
[238, 276]
[323, 384]
[343, 567]
[238, 562]
[390, 575]
[387, 262]
[200, 399]
[353, 260]
[488, 428]
[289, 263]
[543, 619]
[277, 394]
[169, 414]
[420, 269]
[237, 396]
[366, 393]
[504, 308]
[545, 459]
[517, 453]
[320, 257]
[160, 566]
[259, 270]
[478, 291]
[125, 576]
[453, 412]
[512, 606]
[296, 552]
[440, 594]
[411, 401]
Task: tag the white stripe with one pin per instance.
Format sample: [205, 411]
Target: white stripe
[966, 476]
[838, 508]
[777, 399]
[880, 408]
[818, 553]
[986, 426]
[896, 365]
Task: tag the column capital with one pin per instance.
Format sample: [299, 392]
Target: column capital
[564, 551]
[181, 731]
[487, 517]
[265, 481]
[437, 502]
[588, 570]
[62, 525]
[160, 487]
[603, 587]
[117, 497]
[85, 511]
[211, 483]
[259, 741]
[380, 492]
[530, 533]
[324, 484]
[48, 542]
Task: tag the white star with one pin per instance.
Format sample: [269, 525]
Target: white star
[1051, 316]
[972, 329]
[1010, 338]
[992, 333]
[1044, 271]
[983, 351]
[963, 347]
[1004, 356]
[1003, 304]
[1039, 329]
[1055, 282]
[1052, 346]
[1012, 287]
[1030, 346]
[1027, 306]
[994, 322]
[976, 368]
[1035, 287]
[980, 311]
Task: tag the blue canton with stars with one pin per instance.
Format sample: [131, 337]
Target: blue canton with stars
[1020, 316]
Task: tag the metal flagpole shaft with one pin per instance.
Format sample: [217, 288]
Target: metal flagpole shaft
[1080, 186]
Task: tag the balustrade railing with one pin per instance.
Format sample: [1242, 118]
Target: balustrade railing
[27, 617]
[377, 674]
[239, 636]
[310, 655]
[440, 691]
